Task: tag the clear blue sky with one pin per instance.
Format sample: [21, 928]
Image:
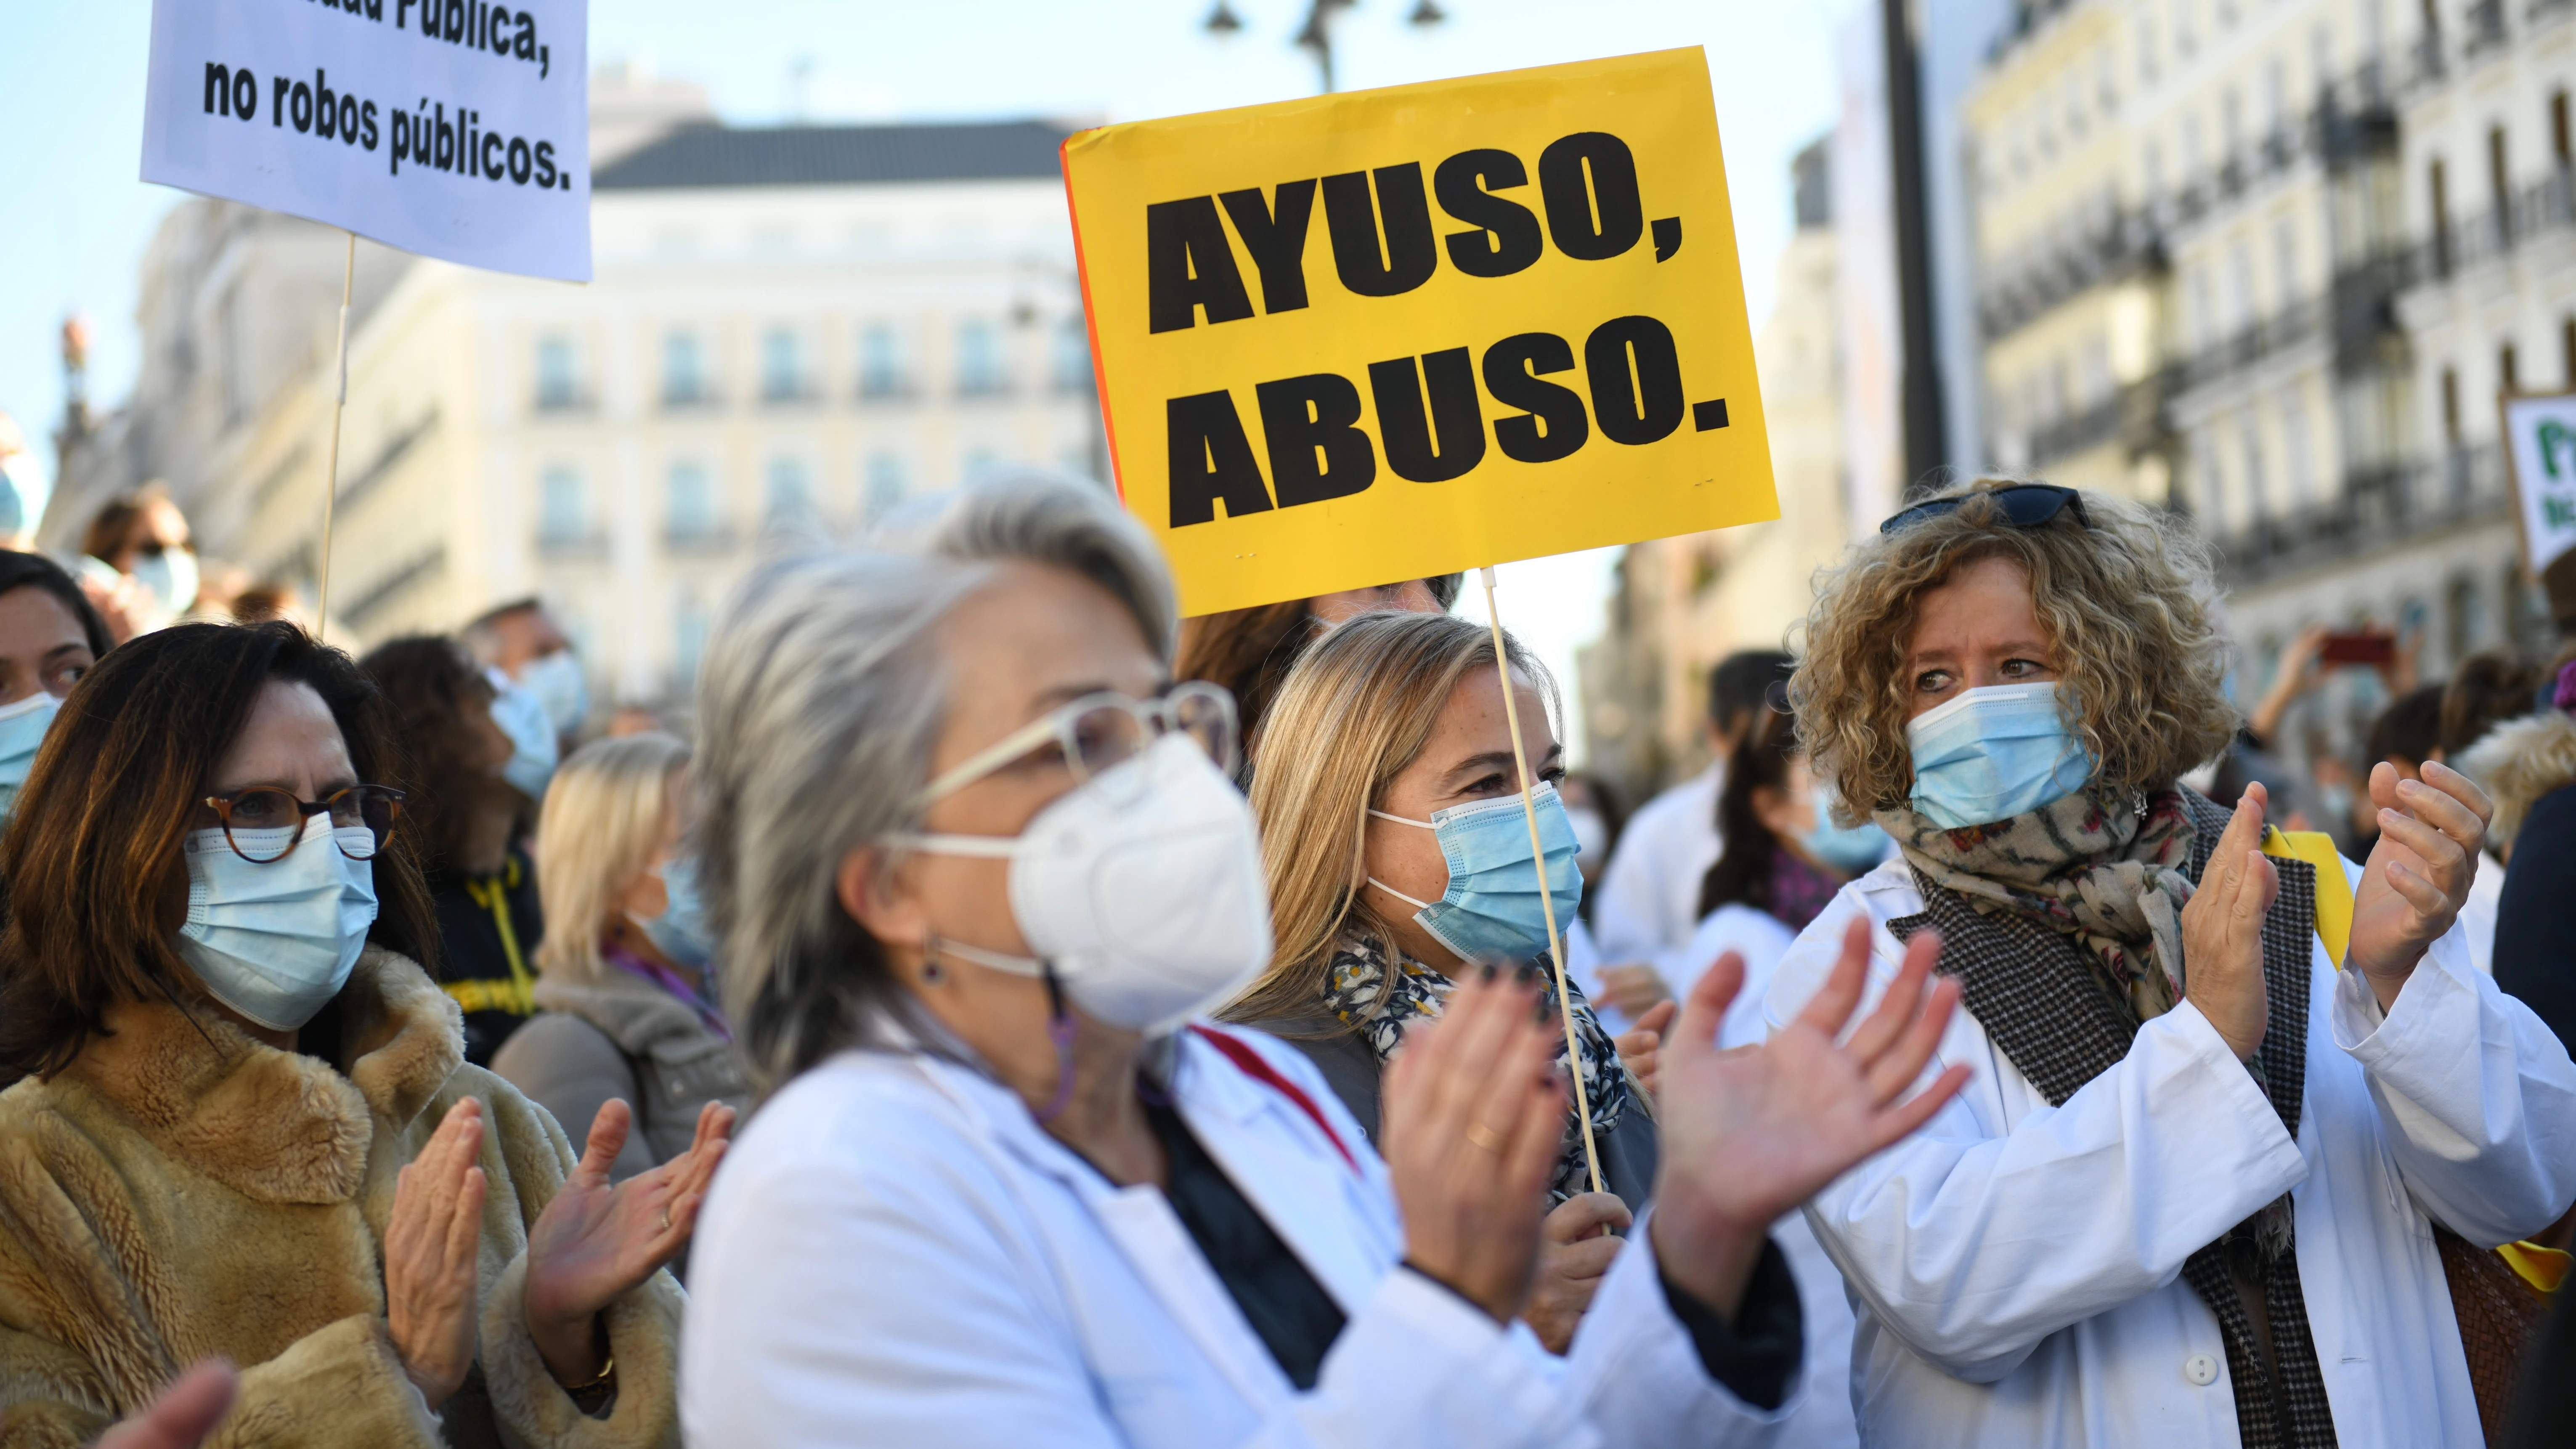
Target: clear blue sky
[74, 222]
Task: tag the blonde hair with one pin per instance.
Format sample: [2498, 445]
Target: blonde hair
[1355, 711]
[603, 818]
[2127, 605]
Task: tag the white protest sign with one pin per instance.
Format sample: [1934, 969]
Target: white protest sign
[2540, 438]
[456, 129]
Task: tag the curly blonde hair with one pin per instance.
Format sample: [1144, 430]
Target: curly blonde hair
[2127, 605]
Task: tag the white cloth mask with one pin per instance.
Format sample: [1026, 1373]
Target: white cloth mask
[1141, 888]
[276, 942]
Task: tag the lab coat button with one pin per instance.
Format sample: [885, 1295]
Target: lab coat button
[2201, 1369]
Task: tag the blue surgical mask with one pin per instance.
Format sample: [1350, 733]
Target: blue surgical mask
[276, 942]
[170, 577]
[522, 717]
[556, 680]
[680, 932]
[1992, 754]
[1493, 911]
[1849, 850]
[22, 729]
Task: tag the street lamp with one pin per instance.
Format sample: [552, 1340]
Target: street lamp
[1316, 36]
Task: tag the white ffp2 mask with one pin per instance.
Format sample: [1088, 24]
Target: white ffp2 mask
[1144, 894]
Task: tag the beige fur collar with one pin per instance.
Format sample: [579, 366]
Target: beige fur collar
[273, 1125]
[2520, 761]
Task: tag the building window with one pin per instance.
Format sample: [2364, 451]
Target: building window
[563, 513]
[2451, 406]
[690, 509]
[2508, 372]
[556, 385]
[880, 362]
[2500, 184]
[789, 494]
[979, 358]
[683, 370]
[2437, 185]
[2567, 351]
[1072, 355]
[782, 365]
[884, 485]
[689, 641]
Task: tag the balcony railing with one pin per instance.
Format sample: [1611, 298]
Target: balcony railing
[2381, 504]
[2546, 206]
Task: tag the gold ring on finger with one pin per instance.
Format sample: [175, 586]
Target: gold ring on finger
[1485, 1137]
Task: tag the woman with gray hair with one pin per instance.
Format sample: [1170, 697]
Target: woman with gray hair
[978, 871]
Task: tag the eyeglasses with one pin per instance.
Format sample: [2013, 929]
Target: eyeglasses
[1094, 734]
[2023, 505]
[264, 823]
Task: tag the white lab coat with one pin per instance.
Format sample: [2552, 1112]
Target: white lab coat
[1650, 893]
[2015, 1267]
[896, 1253]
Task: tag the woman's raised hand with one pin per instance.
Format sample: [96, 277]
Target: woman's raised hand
[1577, 1243]
[1472, 1119]
[1640, 1046]
[2418, 876]
[597, 1240]
[2222, 930]
[430, 1255]
[1750, 1133]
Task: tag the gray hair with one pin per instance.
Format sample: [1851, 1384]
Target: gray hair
[820, 707]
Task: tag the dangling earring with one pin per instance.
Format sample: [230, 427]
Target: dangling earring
[932, 973]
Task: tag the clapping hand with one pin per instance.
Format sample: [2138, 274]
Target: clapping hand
[2222, 930]
[1640, 1047]
[1750, 1133]
[431, 1255]
[182, 1415]
[1578, 1241]
[595, 1241]
[2418, 875]
[1472, 1120]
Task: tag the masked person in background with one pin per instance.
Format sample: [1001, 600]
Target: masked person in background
[523, 641]
[1398, 858]
[1248, 652]
[139, 564]
[465, 811]
[247, 1129]
[2207, 1176]
[625, 1007]
[24, 489]
[49, 638]
[976, 869]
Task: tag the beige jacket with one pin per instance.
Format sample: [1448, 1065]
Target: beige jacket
[182, 1191]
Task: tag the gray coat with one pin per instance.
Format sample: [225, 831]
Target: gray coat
[627, 1038]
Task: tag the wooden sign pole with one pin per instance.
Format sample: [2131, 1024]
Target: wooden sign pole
[331, 473]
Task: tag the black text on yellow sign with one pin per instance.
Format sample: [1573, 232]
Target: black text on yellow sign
[1377, 336]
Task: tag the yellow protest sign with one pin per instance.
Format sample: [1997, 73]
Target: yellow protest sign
[1394, 333]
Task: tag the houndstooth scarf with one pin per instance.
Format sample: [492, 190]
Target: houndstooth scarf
[2024, 949]
[1358, 993]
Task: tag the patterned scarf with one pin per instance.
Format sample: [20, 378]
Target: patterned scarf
[2103, 870]
[1358, 993]
[2061, 964]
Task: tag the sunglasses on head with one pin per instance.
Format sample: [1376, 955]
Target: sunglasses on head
[2023, 505]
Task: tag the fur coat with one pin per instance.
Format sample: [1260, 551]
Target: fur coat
[181, 1191]
[2518, 762]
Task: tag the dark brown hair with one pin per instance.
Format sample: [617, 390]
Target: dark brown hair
[92, 850]
[2485, 691]
[35, 571]
[113, 525]
[1250, 652]
[1743, 872]
[429, 684]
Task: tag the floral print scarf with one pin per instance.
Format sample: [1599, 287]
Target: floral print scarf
[1360, 993]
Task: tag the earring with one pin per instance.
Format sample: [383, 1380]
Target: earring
[932, 973]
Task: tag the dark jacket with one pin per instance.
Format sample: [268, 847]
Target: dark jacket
[1628, 1155]
[488, 929]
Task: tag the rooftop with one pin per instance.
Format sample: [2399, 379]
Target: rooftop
[839, 155]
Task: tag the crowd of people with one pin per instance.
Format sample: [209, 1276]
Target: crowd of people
[1018, 1014]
